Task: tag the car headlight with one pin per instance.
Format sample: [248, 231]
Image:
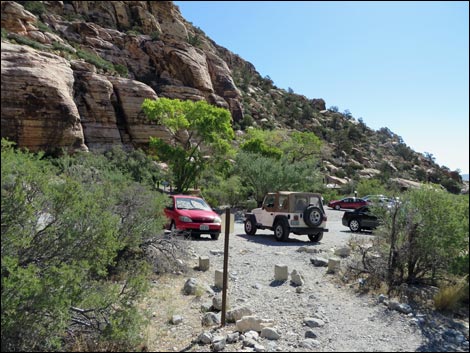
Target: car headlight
[217, 220]
[185, 219]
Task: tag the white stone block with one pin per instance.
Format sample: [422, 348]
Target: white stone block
[281, 272]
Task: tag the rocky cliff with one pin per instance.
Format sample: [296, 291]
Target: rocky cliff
[60, 82]
[75, 73]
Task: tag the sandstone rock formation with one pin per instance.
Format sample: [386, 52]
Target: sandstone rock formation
[106, 108]
[38, 110]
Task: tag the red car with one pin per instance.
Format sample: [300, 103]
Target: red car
[347, 202]
[192, 214]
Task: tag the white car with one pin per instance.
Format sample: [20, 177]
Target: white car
[287, 212]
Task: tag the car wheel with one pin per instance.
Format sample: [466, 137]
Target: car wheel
[316, 237]
[281, 230]
[173, 227]
[215, 236]
[313, 216]
[337, 207]
[354, 225]
[250, 227]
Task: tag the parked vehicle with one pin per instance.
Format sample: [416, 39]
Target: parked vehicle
[193, 215]
[361, 218]
[374, 197]
[347, 202]
[380, 200]
[287, 212]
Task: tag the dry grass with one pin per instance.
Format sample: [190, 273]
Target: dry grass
[449, 297]
[164, 300]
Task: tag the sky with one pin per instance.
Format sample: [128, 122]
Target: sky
[401, 65]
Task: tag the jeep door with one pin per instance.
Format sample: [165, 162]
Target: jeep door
[268, 207]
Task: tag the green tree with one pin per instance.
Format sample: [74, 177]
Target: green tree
[257, 145]
[261, 174]
[296, 146]
[301, 146]
[370, 187]
[197, 130]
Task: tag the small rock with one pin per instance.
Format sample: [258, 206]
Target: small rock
[310, 334]
[296, 278]
[210, 319]
[205, 338]
[176, 319]
[270, 333]
[344, 251]
[319, 261]
[309, 343]
[233, 337]
[218, 343]
[312, 322]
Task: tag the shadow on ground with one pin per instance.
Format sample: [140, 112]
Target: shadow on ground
[270, 240]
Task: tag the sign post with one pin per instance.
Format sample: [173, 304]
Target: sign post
[225, 273]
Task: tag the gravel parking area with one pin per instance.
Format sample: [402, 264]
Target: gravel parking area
[320, 315]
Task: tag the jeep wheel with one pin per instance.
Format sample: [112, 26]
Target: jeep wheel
[313, 216]
[354, 225]
[281, 230]
[250, 227]
[316, 237]
[215, 236]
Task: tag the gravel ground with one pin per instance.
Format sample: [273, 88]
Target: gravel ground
[352, 322]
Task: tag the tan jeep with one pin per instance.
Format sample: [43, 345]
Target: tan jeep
[287, 212]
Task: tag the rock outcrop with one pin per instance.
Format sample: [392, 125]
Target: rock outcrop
[38, 110]
[149, 39]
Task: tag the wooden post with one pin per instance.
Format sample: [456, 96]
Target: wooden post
[225, 274]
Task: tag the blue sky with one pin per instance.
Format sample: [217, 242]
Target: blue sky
[401, 65]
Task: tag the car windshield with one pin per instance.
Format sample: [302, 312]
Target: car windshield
[183, 203]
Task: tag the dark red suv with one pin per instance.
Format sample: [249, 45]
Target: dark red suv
[192, 214]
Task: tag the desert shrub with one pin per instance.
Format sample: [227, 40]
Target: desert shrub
[121, 70]
[72, 262]
[36, 7]
[29, 42]
[330, 195]
[450, 296]
[370, 187]
[424, 237]
[61, 47]
[155, 35]
[95, 60]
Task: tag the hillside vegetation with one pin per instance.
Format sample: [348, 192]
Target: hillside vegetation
[105, 104]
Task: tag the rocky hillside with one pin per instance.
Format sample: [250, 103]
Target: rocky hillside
[74, 75]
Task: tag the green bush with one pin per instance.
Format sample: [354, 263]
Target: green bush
[71, 258]
[36, 7]
[95, 60]
[370, 187]
[30, 42]
[121, 70]
[425, 238]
